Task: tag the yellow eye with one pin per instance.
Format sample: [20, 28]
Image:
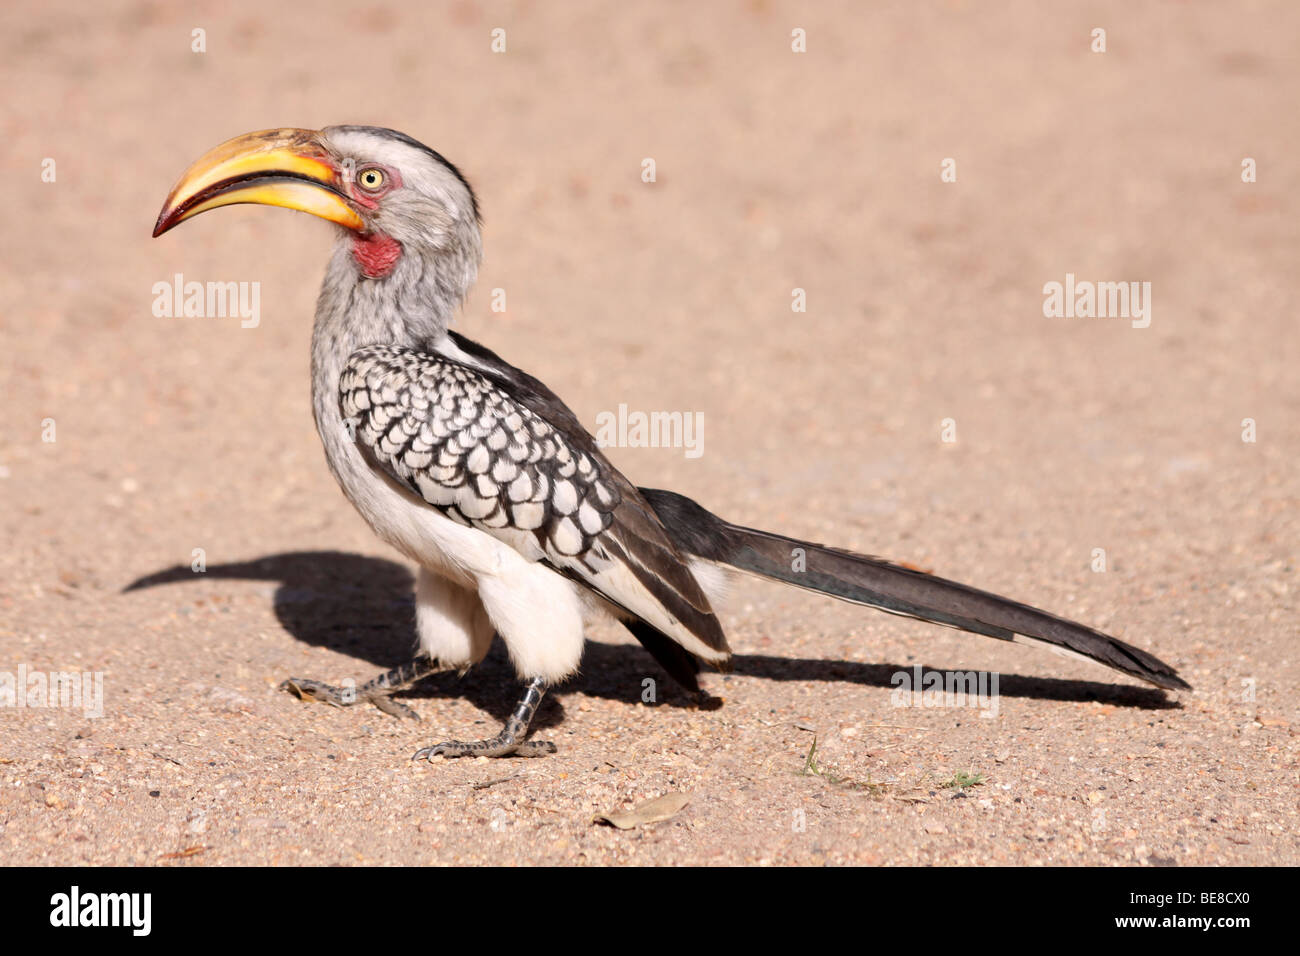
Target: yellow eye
[371, 179]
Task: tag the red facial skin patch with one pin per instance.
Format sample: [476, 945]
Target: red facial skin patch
[376, 254]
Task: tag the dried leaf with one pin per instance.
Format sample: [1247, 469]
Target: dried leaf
[188, 851]
[652, 811]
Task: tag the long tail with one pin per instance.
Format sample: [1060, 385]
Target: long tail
[891, 587]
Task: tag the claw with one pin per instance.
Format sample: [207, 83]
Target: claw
[536, 748]
[460, 748]
[394, 708]
[305, 689]
[495, 747]
[510, 742]
[378, 691]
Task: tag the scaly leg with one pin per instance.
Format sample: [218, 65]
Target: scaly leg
[510, 742]
[378, 691]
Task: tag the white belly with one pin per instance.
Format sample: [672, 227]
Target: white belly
[538, 613]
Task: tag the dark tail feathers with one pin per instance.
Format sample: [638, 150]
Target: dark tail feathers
[866, 580]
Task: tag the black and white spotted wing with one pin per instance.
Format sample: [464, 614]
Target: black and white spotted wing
[466, 448]
[492, 448]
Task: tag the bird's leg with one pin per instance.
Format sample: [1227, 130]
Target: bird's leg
[510, 742]
[377, 691]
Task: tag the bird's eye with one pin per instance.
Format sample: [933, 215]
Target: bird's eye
[371, 179]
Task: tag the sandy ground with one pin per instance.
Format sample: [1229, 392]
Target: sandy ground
[775, 171]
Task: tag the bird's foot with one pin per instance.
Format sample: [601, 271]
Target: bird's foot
[502, 745]
[378, 691]
[306, 689]
[510, 742]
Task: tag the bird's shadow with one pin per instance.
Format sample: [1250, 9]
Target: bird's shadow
[364, 607]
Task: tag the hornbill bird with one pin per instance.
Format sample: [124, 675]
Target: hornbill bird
[479, 474]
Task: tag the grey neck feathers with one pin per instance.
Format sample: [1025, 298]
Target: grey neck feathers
[413, 304]
[415, 301]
